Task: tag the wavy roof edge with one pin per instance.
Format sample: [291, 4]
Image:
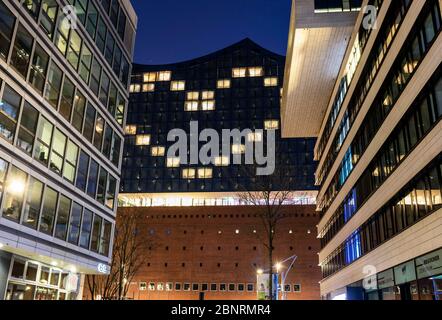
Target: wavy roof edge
[137, 67]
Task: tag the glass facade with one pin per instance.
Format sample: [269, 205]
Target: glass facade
[417, 200]
[63, 101]
[238, 87]
[407, 62]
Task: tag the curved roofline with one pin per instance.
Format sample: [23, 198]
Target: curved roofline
[138, 66]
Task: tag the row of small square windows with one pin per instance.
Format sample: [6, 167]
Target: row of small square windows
[180, 85]
[222, 287]
[237, 231]
[219, 248]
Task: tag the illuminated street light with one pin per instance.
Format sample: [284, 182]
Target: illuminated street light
[259, 271]
[278, 267]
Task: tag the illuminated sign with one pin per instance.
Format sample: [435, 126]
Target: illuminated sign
[102, 268]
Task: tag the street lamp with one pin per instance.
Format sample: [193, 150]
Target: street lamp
[259, 271]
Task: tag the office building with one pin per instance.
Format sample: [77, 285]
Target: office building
[379, 145]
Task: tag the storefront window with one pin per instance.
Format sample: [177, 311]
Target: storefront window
[18, 269]
[20, 292]
[44, 275]
[31, 271]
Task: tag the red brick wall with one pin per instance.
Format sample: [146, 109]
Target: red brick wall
[190, 236]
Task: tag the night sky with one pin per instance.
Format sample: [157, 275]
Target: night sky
[175, 30]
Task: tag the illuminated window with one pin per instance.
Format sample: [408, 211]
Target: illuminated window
[270, 82]
[255, 72]
[223, 84]
[205, 173]
[173, 162]
[164, 76]
[191, 106]
[207, 95]
[130, 129]
[150, 77]
[254, 137]
[148, 87]
[142, 140]
[222, 161]
[239, 72]
[189, 173]
[135, 88]
[177, 85]
[238, 148]
[158, 151]
[208, 105]
[271, 124]
[193, 95]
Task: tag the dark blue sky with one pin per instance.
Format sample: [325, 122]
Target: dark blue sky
[176, 30]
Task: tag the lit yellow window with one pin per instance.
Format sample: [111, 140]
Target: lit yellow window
[239, 72]
[164, 76]
[189, 173]
[281, 91]
[222, 161]
[238, 148]
[208, 105]
[223, 84]
[205, 173]
[254, 137]
[158, 151]
[271, 82]
[135, 88]
[142, 140]
[193, 95]
[148, 87]
[130, 129]
[255, 72]
[173, 162]
[207, 95]
[150, 77]
[191, 106]
[177, 85]
[271, 124]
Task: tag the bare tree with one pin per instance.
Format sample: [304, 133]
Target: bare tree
[127, 258]
[268, 194]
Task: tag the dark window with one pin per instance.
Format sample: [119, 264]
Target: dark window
[21, 53]
[7, 20]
